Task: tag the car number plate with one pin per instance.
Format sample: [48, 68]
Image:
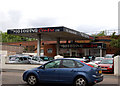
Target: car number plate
[104, 69]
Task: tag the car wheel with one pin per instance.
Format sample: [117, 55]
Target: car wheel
[80, 81]
[32, 80]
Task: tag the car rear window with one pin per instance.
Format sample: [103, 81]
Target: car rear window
[107, 61]
[98, 59]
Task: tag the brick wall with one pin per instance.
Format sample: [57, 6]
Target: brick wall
[46, 50]
[12, 49]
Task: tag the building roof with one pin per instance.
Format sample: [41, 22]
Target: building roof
[51, 33]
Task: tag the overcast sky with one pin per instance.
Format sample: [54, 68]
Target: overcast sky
[83, 15]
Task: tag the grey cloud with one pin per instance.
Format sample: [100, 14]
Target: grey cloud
[42, 22]
[10, 19]
[89, 29]
[15, 16]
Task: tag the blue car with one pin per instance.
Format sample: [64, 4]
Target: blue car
[66, 71]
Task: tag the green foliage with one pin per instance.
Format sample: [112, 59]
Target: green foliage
[0, 36]
[13, 38]
[115, 41]
[102, 33]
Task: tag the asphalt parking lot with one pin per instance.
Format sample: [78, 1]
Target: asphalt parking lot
[14, 78]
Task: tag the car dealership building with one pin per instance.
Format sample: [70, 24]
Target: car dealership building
[61, 40]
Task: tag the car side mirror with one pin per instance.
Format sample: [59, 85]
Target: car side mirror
[42, 67]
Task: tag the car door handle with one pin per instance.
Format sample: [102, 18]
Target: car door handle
[54, 70]
[72, 70]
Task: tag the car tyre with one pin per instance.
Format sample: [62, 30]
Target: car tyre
[32, 80]
[80, 81]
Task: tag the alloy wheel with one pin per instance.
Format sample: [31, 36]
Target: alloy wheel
[32, 80]
[80, 82]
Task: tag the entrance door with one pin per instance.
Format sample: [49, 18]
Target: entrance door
[73, 52]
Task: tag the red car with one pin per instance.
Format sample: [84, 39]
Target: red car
[107, 65]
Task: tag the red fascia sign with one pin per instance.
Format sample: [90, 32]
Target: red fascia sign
[81, 45]
[90, 46]
[46, 30]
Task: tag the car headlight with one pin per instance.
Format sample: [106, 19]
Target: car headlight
[110, 66]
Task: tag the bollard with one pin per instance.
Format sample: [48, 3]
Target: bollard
[117, 65]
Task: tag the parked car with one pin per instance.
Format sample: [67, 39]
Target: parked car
[93, 64]
[46, 58]
[40, 60]
[89, 58]
[64, 70]
[109, 55]
[107, 65]
[22, 59]
[98, 60]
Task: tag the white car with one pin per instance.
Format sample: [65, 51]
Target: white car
[19, 59]
[109, 55]
[38, 60]
[98, 60]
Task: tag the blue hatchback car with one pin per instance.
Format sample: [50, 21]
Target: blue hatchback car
[64, 70]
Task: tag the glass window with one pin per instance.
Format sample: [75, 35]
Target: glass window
[35, 58]
[20, 59]
[108, 56]
[68, 64]
[24, 58]
[49, 50]
[106, 61]
[98, 59]
[54, 64]
[79, 64]
[42, 50]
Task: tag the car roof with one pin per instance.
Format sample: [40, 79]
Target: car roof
[73, 58]
[109, 54]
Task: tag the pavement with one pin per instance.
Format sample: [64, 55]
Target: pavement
[19, 66]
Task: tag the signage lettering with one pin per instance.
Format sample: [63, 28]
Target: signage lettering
[81, 45]
[17, 31]
[70, 31]
[46, 30]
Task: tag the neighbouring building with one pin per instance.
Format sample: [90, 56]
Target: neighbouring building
[101, 45]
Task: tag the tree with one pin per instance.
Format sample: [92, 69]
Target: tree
[12, 38]
[115, 42]
[102, 33]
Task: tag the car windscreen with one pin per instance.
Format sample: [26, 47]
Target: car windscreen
[12, 58]
[98, 59]
[109, 56]
[107, 61]
[46, 58]
[35, 58]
